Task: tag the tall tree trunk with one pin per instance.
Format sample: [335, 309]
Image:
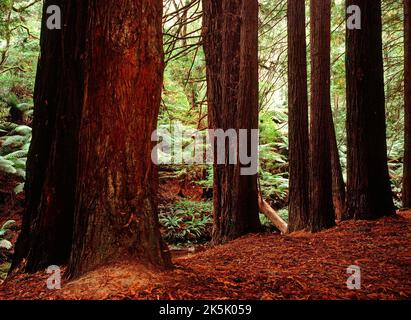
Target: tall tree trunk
[368, 184]
[46, 233]
[407, 100]
[297, 117]
[97, 95]
[321, 202]
[231, 46]
[338, 183]
[116, 206]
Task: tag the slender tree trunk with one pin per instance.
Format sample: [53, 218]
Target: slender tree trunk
[231, 46]
[407, 100]
[368, 184]
[321, 202]
[116, 207]
[297, 117]
[338, 183]
[46, 233]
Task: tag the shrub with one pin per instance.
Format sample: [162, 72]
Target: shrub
[14, 145]
[186, 222]
[5, 244]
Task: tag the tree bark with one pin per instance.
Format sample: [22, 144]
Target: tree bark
[368, 184]
[321, 202]
[407, 100]
[271, 214]
[116, 205]
[298, 207]
[338, 184]
[91, 184]
[230, 31]
[46, 233]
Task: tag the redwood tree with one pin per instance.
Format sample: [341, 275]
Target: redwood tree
[47, 226]
[297, 117]
[368, 184]
[230, 31]
[407, 99]
[91, 183]
[321, 202]
[116, 205]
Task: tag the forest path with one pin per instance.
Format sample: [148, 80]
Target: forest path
[263, 266]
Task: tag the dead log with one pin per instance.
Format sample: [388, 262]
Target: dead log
[271, 214]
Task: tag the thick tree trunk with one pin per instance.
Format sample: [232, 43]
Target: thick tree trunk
[321, 202]
[231, 46]
[116, 206]
[46, 233]
[297, 117]
[368, 184]
[338, 183]
[97, 95]
[407, 100]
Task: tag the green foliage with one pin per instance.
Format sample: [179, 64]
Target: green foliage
[395, 166]
[6, 226]
[207, 181]
[19, 49]
[186, 222]
[273, 157]
[283, 213]
[19, 188]
[7, 166]
[273, 54]
[5, 244]
[14, 149]
[265, 222]
[184, 78]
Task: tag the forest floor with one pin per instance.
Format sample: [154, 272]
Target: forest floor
[257, 266]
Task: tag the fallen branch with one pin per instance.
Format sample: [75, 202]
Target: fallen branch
[271, 214]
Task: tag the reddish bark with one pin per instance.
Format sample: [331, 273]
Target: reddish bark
[321, 202]
[297, 117]
[47, 229]
[368, 184]
[338, 184]
[116, 205]
[231, 48]
[91, 184]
